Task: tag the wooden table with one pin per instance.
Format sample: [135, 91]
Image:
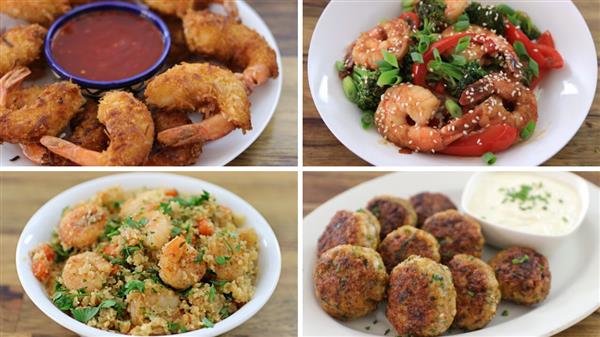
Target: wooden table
[278, 144]
[21, 194]
[322, 186]
[321, 148]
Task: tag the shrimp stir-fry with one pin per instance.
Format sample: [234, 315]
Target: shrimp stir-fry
[233, 43]
[43, 12]
[130, 129]
[392, 36]
[192, 87]
[19, 46]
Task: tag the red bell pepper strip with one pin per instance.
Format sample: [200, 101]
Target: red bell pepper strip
[419, 70]
[494, 139]
[552, 58]
[515, 34]
[546, 39]
[411, 17]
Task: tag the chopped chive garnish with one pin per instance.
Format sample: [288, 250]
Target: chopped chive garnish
[489, 158]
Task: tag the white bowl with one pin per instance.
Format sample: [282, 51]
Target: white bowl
[41, 224]
[503, 237]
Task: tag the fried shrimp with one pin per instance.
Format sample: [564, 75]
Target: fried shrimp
[200, 86]
[172, 156]
[403, 117]
[48, 114]
[181, 7]
[19, 46]
[180, 264]
[392, 36]
[130, 129]
[233, 43]
[505, 101]
[43, 12]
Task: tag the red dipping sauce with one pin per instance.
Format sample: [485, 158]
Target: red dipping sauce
[107, 45]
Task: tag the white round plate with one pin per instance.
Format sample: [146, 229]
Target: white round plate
[564, 97]
[263, 100]
[40, 226]
[575, 266]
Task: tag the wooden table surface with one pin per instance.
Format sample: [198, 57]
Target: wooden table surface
[321, 147]
[22, 194]
[278, 144]
[322, 186]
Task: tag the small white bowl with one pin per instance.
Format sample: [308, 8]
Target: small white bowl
[40, 226]
[503, 237]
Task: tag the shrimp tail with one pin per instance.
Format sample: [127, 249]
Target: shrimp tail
[11, 79]
[75, 153]
[209, 129]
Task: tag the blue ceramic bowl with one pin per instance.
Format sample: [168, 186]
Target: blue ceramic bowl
[97, 88]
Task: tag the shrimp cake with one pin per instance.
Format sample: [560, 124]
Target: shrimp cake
[427, 204]
[43, 12]
[457, 234]
[172, 156]
[349, 281]
[20, 46]
[392, 213]
[406, 241]
[421, 297]
[359, 228]
[523, 274]
[477, 292]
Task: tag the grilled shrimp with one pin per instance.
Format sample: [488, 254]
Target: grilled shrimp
[19, 46]
[233, 43]
[505, 101]
[42, 259]
[172, 156]
[130, 128]
[48, 114]
[181, 7]
[82, 225]
[43, 12]
[404, 115]
[192, 87]
[392, 36]
[180, 264]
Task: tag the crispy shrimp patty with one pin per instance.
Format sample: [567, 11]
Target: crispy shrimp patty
[456, 233]
[359, 228]
[349, 281]
[406, 241]
[421, 297]
[427, 204]
[477, 291]
[523, 274]
[392, 213]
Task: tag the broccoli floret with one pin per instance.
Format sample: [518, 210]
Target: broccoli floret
[472, 71]
[368, 93]
[486, 16]
[432, 11]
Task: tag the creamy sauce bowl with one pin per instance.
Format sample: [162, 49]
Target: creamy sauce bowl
[532, 209]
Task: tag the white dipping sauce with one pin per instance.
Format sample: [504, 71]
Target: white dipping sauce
[525, 202]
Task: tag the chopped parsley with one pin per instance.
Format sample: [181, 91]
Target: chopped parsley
[437, 277]
[85, 314]
[133, 285]
[135, 224]
[207, 322]
[165, 208]
[221, 260]
[193, 201]
[526, 196]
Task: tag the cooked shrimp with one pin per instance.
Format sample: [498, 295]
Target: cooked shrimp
[180, 264]
[181, 7]
[403, 117]
[230, 256]
[48, 114]
[42, 259]
[86, 270]
[82, 225]
[146, 200]
[508, 101]
[454, 8]
[155, 300]
[157, 230]
[191, 87]
[43, 12]
[172, 156]
[392, 36]
[130, 129]
[214, 35]
[19, 46]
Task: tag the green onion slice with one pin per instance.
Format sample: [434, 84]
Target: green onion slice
[489, 158]
[528, 130]
[453, 108]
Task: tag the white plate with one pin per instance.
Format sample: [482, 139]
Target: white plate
[40, 226]
[264, 101]
[564, 97]
[574, 293]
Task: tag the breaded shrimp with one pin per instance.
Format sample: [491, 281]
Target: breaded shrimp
[200, 86]
[181, 7]
[48, 114]
[130, 129]
[172, 156]
[19, 46]
[233, 43]
[43, 12]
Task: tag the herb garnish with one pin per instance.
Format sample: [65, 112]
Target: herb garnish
[521, 259]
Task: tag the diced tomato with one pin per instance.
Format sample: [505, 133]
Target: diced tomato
[545, 55]
[546, 39]
[204, 227]
[41, 261]
[171, 193]
[412, 18]
[494, 139]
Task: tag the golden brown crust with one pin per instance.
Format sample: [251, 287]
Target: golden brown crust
[427, 204]
[392, 213]
[477, 291]
[354, 228]
[172, 156]
[349, 281]
[457, 234]
[43, 12]
[20, 46]
[406, 241]
[523, 274]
